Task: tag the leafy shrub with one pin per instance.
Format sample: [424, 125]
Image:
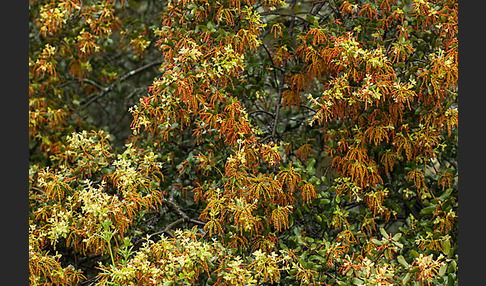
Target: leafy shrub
[205, 142]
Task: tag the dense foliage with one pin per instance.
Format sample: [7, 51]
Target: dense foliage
[272, 142]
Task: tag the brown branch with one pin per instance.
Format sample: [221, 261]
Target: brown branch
[261, 111]
[282, 79]
[105, 90]
[278, 106]
[166, 230]
[308, 108]
[265, 139]
[184, 218]
[38, 190]
[274, 66]
[93, 83]
[285, 15]
[174, 207]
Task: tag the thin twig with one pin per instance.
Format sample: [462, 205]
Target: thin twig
[184, 218]
[282, 79]
[168, 228]
[279, 105]
[105, 90]
[173, 206]
[308, 108]
[93, 83]
[261, 111]
[273, 63]
[284, 15]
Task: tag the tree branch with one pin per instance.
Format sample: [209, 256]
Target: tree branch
[184, 218]
[93, 83]
[166, 230]
[308, 108]
[273, 63]
[278, 105]
[176, 208]
[261, 111]
[282, 79]
[105, 90]
[292, 15]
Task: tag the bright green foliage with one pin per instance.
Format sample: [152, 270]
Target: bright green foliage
[202, 142]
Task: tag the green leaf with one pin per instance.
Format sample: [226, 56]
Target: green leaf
[298, 212]
[446, 247]
[406, 279]
[451, 278]
[376, 241]
[311, 170]
[211, 26]
[314, 180]
[383, 232]
[442, 269]
[402, 261]
[427, 210]
[397, 236]
[452, 266]
[415, 269]
[310, 17]
[400, 245]
[324, 201]
[446, 194]
[414, 253]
